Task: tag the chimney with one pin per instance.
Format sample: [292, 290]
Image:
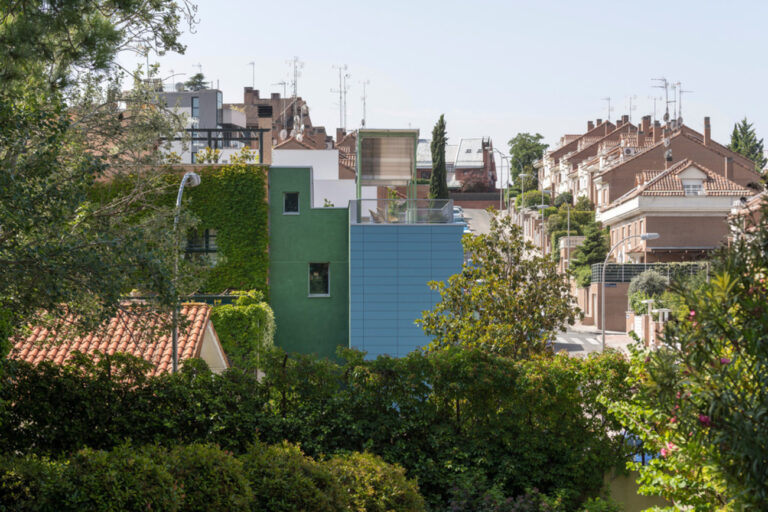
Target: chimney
[707, 131]
[624, 119]
[339, 134]
[656, 131]
[590, 125]
[645, 124]
[265, 121]
[275, 96]
[598, 121]
[619, 122]
[728, 167]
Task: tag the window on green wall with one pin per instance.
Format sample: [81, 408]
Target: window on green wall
[291, 203]
[319, 280]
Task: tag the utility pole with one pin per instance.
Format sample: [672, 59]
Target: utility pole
[364, 83]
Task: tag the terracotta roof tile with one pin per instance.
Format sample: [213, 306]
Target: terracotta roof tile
[135, 330]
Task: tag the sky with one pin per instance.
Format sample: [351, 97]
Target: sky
[494, 68]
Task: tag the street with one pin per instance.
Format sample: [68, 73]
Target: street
[478, 220]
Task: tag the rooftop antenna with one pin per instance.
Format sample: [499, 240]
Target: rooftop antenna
[631, 106]
[342, 90]
[664, 85]
[654, 99]
[253, 74]
[296, 66]
[364, 83]
[608, 99]
[680, 92]
[285, 85]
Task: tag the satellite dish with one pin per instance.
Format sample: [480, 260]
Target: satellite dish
[179, 87]
[296, 120]
[293, 132]
[299, 137]
[666, 117]
[667, 142]
[304, 108]
[283, 134]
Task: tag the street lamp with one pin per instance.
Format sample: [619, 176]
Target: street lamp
[190, 179]
[646, 236]
[501, 176]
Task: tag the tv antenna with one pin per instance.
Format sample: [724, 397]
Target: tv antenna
[342, 90]
[655, 99]
[631, 106]
[199, 68]
[608, 99]
[285, 93]
[680, 92]
[364, 83]
[664, 84]
[296, 66]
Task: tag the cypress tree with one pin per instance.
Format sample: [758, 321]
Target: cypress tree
[438, 184]
[745, 142]
[594, 248]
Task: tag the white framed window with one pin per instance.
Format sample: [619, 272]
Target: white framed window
[693, 187]
[195, 106]
[319, 280]
[291, 203]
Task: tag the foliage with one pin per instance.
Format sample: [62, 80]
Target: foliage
[438, 184]
[745, 142]
[196, 82]
[525, 149]
[600, 505]
[700, 401]
[27, 482]
[506, 299]
[583, 275]
[375, 486]
[583, 203]
[246, 328]
[210, 479]
[494, 501]
[531, 198]
[594, 248]
[283, 479]
[555, 237]
[564, 198]
[650, 282]
[454, 419]
[60, 107]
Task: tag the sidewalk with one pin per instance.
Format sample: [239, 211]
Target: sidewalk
[613, 339]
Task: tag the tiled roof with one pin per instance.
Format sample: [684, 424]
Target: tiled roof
[135, 330]
[291, 142]
[669, 183]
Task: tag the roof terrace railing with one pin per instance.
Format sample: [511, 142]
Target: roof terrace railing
[401, 211]
[624, 272]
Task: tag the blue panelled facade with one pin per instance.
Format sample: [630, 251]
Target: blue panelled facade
[390, 265]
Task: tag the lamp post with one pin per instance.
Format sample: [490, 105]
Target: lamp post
[645, 236]
[501, 176]
[190, 179]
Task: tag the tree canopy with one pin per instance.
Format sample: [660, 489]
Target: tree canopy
[525, 149]
[506, 300]
[745, 142]
[438, 184]
[196, 82]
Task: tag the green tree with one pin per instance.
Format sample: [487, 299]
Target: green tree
[745, 142]
[594, 248]
[506, 300]
[61, 129]
[196, 82]
[438, 184]
[525, 149]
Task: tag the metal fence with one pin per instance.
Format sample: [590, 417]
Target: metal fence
[624, 272]
[401, 211]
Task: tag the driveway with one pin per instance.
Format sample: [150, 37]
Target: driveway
[478, 220]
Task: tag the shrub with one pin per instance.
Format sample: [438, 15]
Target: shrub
[375, 486]
[246, 328]
[27, 484]
[122, 479]
[583, 275]
[600, 505]
[650, 282]
[283, 479]
[564, 198]
[531, 198]
[210, 479]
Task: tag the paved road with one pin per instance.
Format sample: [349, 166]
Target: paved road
[478, 220]
[577, 342]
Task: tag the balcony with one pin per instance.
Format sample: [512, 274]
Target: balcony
[401, 211]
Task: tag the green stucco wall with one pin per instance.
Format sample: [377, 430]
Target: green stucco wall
[310, 325]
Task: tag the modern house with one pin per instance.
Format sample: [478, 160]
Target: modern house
[136, 330]
[468, 164]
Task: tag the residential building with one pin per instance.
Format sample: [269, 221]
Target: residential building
[137, 330]
[469, 164]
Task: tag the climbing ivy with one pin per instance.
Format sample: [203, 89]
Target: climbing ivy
[246, 329]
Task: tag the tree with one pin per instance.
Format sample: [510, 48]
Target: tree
[61, 129]
[744, 141]
[438, 185]
[525, 150]
[506, 300]
[196, 82]
[594, 248]
[700, 399]
[564, 198]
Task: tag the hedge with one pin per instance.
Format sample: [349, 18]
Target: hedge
[246, 328]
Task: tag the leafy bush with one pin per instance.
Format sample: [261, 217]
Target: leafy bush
[650, 282]
[122, 479]
[246, 328]
[531, 198]
[600, 505]
[375, 486]
[283, 479]
[28, 483]
[583, 203]
[564, 198]
[583, 275]
[209, 479]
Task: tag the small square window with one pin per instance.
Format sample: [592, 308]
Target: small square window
[291, 203]
[319, 280]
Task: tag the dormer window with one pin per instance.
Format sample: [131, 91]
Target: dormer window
[693, 187]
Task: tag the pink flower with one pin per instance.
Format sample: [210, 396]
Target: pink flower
[663, 452]
[724, 360]
[673, 419]
[705, 420]
[692, 314]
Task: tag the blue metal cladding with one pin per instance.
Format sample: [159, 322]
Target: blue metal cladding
[389, 268]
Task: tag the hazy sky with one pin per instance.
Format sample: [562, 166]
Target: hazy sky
[494, 68]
